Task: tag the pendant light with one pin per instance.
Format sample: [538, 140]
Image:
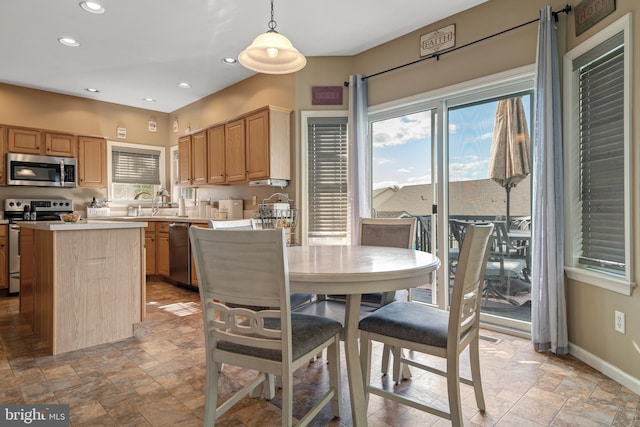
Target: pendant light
[272, 53]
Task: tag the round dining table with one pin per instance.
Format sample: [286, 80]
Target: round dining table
[353, 271]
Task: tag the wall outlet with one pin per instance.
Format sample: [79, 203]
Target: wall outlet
[619, 325]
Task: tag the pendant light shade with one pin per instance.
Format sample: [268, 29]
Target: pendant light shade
[272, 53]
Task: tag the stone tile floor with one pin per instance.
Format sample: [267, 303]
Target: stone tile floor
[156, 379]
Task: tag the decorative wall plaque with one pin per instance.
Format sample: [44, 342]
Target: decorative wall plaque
[121, 132]
[588, 13]
[326, 95]
[436, 41]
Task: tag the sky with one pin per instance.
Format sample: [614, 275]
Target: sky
[402, 145]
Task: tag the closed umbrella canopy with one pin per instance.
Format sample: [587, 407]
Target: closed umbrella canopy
[509, 158]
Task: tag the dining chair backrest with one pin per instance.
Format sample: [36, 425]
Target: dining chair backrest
[390, 232]
[233, 224]
[464, 317]
[225, 275]
[248, 321]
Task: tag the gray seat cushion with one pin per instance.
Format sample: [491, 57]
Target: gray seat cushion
[307, 332]
[410, 322]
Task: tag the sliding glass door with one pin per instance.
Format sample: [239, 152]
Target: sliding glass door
[444, 180]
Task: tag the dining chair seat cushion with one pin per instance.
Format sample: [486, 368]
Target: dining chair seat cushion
[307, 332]
[298, 300]
[409, 322]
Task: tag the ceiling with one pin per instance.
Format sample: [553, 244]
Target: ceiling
[143, 48]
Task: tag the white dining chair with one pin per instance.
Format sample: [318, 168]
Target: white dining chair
[233, 224]
[274, 341]
[426, 329]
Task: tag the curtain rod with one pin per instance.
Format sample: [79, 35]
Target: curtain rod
[437, 55]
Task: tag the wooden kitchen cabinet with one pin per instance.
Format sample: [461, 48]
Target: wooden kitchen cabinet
[216, 159]
[25, 141]
[268, 144]
[235, 151]
[192, 155]
[253, 146]
[92, 162]
[184, 160]
[33, 141]
[60, 144]
[3, 152]
[150, 248]
[162, 248]
[4, 256]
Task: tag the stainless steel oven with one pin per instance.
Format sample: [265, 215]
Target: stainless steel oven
[14, 211]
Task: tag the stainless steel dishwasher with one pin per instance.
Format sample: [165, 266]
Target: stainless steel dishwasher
[179, 252]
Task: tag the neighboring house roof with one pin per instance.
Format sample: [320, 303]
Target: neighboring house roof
[477, 197]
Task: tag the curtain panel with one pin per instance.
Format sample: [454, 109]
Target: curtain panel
[548, 305]
[359, 153]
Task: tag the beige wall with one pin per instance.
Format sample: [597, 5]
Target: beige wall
[590, 309]
[46, 110]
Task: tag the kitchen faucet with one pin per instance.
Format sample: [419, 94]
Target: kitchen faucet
[154, 201]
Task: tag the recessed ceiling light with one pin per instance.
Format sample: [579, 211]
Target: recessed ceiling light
[184, 85]
[68, 41]
[229, 60]
[92, 7]
[92, 90]
[148, 100]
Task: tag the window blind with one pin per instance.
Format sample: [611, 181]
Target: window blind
[135, 166]
[601, 139]
[327, 192]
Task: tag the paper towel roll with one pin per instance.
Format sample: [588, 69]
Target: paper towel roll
[181, 208]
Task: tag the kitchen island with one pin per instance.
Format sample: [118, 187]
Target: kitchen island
[82, 284]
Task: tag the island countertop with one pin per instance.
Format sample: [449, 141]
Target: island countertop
[89, 224]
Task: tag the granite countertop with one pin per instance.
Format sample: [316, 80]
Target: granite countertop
[4, 221]
[89, 224]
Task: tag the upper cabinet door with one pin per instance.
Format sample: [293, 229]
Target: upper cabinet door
[60, 144]
[235, 151]
[25, 141]
[92, 162]
[215, 155]
[257, 145]
[184, 160]
[199, 158]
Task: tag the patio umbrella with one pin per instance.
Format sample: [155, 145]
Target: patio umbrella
[509, 159]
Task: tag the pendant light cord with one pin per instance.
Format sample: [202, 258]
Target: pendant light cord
[272, 24]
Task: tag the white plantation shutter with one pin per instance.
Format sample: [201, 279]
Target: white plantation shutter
[328, 206]
[601, 139]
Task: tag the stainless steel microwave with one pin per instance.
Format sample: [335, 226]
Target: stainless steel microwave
[41, 171]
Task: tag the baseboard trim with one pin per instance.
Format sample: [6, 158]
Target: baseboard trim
[606, 368]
